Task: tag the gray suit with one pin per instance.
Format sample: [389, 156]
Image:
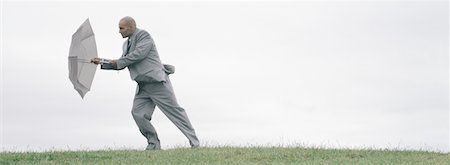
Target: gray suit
[154, 88]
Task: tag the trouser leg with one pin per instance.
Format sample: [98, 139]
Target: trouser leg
[164, 97]
[143, 108]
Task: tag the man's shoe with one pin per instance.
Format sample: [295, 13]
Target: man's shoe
[153, 147]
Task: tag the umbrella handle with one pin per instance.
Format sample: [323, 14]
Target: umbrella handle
[84, 61]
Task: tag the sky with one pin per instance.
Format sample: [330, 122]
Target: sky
[333, 74]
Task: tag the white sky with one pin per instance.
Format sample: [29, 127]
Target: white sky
[330, 73]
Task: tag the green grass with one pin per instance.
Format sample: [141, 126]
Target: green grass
[229, 155]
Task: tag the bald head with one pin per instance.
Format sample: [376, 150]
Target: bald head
[128, 21]
[127, 26]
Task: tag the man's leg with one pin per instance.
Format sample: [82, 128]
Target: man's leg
[143, 108]
[163, 96]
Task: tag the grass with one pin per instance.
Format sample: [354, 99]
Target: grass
[229, 155]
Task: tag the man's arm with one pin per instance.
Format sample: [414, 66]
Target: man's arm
[143, 46]
[111, 65]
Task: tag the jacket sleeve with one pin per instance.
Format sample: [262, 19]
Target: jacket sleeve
[144, 45]
[110, 67]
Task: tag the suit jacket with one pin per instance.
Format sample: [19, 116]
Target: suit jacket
[142, 59]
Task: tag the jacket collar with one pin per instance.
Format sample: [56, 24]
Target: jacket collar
[130, 38]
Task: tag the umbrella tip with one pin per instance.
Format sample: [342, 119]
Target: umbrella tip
[82, 94]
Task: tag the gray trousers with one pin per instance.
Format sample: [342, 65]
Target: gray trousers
[149, 95]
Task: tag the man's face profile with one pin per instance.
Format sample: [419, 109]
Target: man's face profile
[125, 29]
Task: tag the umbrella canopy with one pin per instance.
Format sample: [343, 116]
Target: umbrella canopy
[82, 50]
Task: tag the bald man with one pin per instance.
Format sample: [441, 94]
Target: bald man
[153, 84]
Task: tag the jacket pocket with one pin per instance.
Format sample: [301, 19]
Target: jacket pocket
[151, 76]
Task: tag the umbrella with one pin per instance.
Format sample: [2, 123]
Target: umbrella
[82, 50]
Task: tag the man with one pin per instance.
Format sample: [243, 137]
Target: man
[154, 87]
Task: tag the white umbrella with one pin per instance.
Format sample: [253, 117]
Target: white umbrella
[82, 50]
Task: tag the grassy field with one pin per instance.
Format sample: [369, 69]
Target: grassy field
[229, 155]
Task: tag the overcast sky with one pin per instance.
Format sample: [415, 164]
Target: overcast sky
[339, 74]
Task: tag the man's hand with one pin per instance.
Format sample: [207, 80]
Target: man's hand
[96, 60]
